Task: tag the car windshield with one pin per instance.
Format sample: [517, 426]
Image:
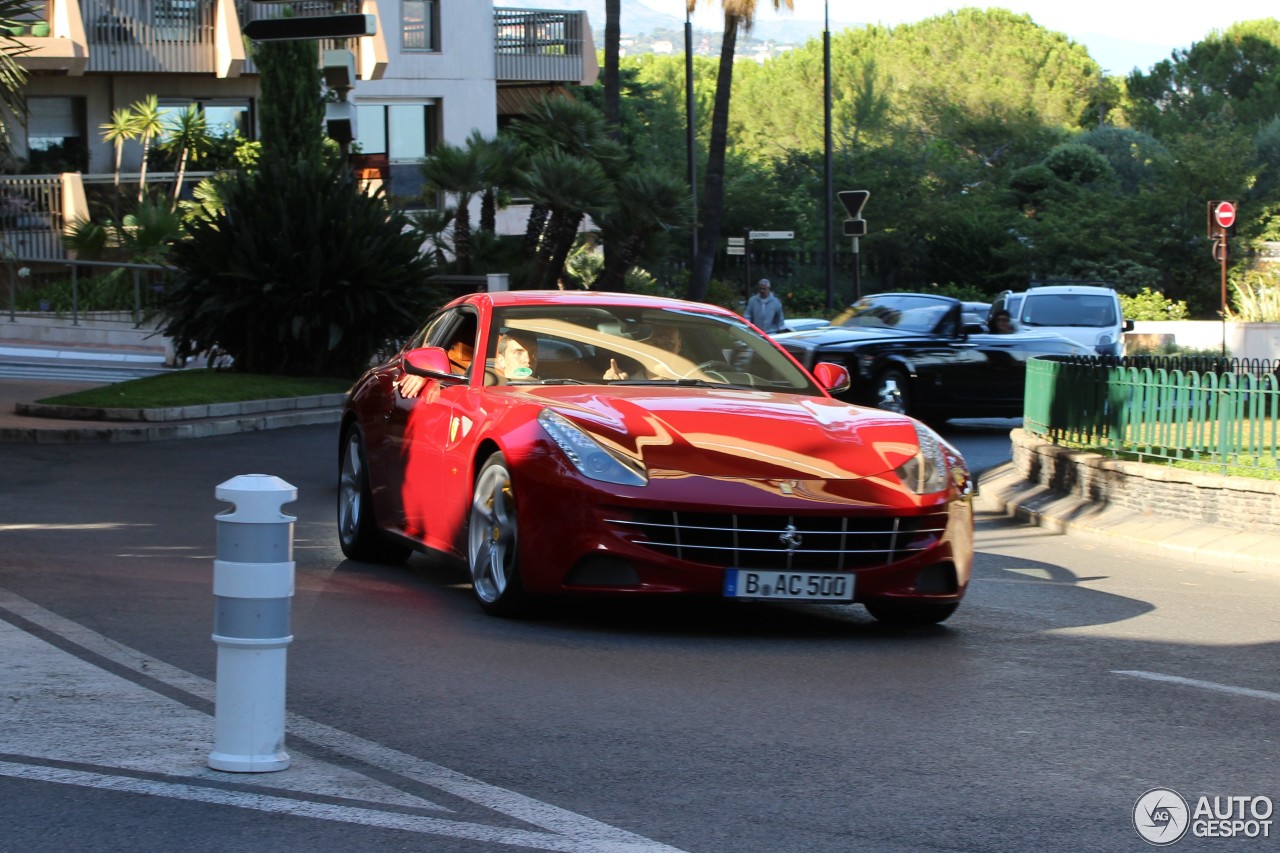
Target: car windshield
[1068, 309]
[559, 344]
[905, 312]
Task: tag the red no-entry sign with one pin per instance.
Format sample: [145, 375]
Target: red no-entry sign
[1225, 214]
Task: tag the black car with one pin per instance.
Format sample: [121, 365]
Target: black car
[917, 353]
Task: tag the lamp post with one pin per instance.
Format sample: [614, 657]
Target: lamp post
[690, 136]
[826, 147]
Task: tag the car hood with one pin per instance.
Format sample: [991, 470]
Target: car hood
[737, 433]
[836, 335]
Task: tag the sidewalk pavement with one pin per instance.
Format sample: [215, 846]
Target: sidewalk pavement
[1001, 490]
[29, 373]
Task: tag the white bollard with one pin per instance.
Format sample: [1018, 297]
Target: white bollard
[253, 588]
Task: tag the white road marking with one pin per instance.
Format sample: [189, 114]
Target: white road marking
[89, 740]
[1203, 685]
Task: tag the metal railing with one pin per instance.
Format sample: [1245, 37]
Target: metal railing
[173, 36]
[123, 292]
[538, 46]
[1220, 412]
[31, 217]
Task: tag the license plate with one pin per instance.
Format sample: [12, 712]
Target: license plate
[788, 586]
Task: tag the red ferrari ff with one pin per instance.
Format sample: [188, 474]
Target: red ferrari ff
[593, 444]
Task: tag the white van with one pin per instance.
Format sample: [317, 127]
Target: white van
[1089, 314]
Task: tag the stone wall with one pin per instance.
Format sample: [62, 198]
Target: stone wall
[1238, 503]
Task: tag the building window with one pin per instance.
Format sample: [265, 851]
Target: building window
[394, 138]
[419, 25]
[56, 139]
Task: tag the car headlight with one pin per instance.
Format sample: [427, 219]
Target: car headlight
[586, 454]
[926, 472]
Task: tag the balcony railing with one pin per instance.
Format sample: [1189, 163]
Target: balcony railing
[178, 36]
[542, 46]
[31, 216]
[53, 39]
[151, 36]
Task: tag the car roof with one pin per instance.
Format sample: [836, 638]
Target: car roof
[1070, 288]
[587, 299]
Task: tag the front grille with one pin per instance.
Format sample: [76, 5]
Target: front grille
[783, 542]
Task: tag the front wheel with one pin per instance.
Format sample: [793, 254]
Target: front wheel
[892, 393]
[910, 614]
[493, 538]
[358, 532]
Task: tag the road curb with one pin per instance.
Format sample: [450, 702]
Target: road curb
[231, 419]
[181, 413]
[1004, 491]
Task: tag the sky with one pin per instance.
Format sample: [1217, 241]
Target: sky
[1120, 35]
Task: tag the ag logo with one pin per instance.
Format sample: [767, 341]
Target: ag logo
[1161, 816]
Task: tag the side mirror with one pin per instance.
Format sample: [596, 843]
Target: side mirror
[1128, 325]
[426, 361]
[833, 377]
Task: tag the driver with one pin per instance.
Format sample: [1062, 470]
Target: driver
[666, 338]
[517, 356]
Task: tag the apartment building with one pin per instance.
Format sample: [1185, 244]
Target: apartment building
[434, 70]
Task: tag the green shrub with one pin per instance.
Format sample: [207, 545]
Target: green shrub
[300, 274]
[1256, 296]
[1150, 305]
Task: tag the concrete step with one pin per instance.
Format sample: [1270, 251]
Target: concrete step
[114, 334]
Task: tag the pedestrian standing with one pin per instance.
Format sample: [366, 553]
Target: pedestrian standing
[764, 309]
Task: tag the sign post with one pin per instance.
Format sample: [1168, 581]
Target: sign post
[1222, 217]
[855, 226]
[311, 27]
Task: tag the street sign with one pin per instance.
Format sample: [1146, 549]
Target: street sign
[737, 241]
[854, 201]
[771, 235]
[736, 250]
[1225, 214]
[313, 27]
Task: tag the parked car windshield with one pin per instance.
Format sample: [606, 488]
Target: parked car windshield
[1068, 309]
[612, 344]
[898, 311]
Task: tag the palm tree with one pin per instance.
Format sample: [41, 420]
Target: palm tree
[650, 203]
[503, 161]
[460, 172]
[122, 127]
[569, 187]
[737, 13]
[562, 124]
[150, 124]
[612, 81]
[13, 77]
[189, 136]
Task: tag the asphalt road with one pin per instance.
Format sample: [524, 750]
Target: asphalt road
[1076, 677]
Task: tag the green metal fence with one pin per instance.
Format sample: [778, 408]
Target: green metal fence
[1215, 411]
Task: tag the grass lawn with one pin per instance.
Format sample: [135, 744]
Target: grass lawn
[197, 387]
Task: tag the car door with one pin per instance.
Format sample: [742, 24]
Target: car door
[418, 430]
[949, 368]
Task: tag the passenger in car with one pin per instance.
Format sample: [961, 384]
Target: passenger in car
[1000, 323]
[460, 356]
